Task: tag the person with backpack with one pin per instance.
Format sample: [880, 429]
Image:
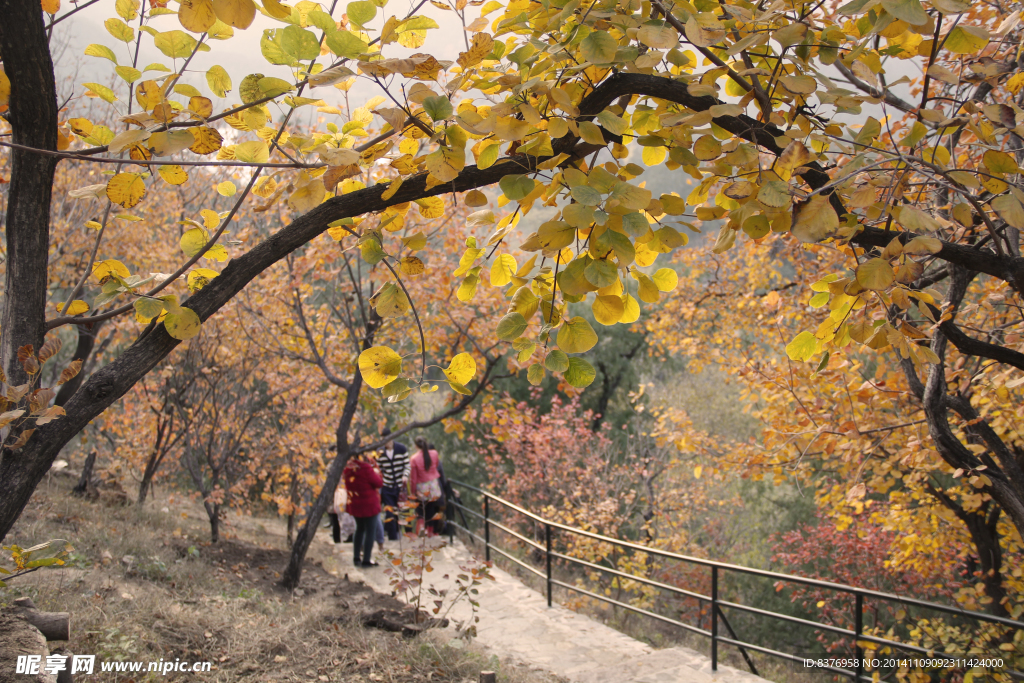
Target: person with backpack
[363, 483]
[425, 486]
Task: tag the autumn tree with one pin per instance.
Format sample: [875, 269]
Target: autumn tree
[324, 309]
[549, 98]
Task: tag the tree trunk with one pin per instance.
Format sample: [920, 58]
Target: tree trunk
[83, 481]
[213, 512]
[53, 625]
[985, 535]
[33, 119]
[293, 573]
[152, 464]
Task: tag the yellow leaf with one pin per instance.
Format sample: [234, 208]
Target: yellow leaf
[412, 265]
[652, 156]
[199, 278]
[77, 307]
[379, 366]
[875, 273]
[648, 291]
[211, 219]
[508, 128]
[207, 140]
[576, 336]
[307, 196]
[102, 270]
[802, 347]
[196, 15]
[415, 242]
[475, 198]
[814, 220]
[665, 279]
[173, 175]
[237, 13]
[276, 9]
[254, 151]
[630, 310]
[502, 270]
[481, 46]
[51, 6]
[170, 142]
[462, 369]
[126, 189]
[431, 207]
[608, 310]
[392, 189]
[182, 325]
[226, 189]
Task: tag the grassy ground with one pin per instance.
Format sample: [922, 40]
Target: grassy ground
[144, 586]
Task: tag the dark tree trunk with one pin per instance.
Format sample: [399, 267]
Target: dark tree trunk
[293, 573]
[33, 119]
[152, 465]
[213, 512]
[83, 481]
[985, 535]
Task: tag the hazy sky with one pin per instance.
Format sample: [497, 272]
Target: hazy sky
[240, 55]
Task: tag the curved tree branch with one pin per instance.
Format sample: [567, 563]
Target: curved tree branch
[111, 382]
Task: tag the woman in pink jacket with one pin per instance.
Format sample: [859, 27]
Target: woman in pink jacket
[363, 483]
[425, 486]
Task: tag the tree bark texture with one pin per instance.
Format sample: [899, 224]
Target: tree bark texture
[33, 119]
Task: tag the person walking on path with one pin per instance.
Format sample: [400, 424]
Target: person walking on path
[393, 461]
[425, 486]
[363, 483]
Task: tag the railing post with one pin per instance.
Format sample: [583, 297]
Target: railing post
[858, 628]
[547, 540]
[487, 529]
[714, 618]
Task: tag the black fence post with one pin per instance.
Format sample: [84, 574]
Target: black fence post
[547, 540]
[714, 618]
[858, 628]
[487, 529]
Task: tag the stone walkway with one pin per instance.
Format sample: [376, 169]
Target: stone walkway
[516, 622]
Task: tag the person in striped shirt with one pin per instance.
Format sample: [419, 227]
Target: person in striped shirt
[393, 461]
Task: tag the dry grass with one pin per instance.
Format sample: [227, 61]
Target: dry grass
[143, 586]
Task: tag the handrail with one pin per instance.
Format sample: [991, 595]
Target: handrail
[717, 604]
[840, 587]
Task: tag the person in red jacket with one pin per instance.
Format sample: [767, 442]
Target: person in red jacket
[363, 483]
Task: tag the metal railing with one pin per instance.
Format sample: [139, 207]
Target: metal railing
[714, 599]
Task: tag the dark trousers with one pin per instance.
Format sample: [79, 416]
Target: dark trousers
[335, 527]
[389, 499]
[366, 528]
[430, 509]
